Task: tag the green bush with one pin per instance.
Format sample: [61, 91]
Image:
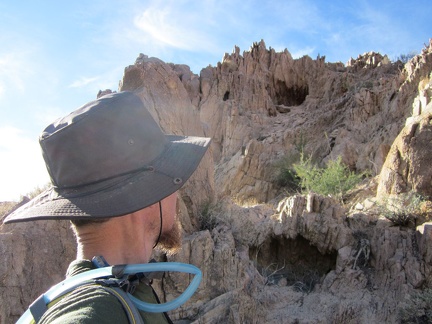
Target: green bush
[286, 176]
[334, 180]
[403, 209]
[418, 308]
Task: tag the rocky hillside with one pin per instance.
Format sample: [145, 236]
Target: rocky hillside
[267, 256]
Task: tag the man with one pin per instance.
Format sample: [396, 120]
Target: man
[115, 175]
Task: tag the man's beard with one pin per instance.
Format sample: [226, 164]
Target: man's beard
[170, 242]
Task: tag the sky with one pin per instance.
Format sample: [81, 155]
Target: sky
[56, 55]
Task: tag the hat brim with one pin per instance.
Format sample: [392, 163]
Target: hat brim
[121, 195]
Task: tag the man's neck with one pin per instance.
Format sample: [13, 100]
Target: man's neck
[120, 240]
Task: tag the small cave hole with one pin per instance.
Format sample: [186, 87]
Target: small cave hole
[226, 96]
[292, 262]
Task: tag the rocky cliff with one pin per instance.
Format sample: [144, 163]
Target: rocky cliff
[266, 256]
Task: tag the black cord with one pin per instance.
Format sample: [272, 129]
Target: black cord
[160, 229]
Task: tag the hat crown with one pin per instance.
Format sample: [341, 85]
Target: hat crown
[111, 136]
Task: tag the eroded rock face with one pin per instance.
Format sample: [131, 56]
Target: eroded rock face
[263, 105]
[367, 60]
[298, 259]
[35, 256]
[163, 92]
[309, 263]
[405, 168]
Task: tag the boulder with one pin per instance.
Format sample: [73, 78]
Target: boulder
[161, 87]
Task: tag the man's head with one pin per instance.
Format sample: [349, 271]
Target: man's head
[110, 158]
[132, 237]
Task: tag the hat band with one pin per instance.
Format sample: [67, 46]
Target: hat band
[77, 191]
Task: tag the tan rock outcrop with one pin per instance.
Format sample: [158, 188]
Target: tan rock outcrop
[328, 110]
[405, 167]
[309, 263]
[35, 256]
[272, 258]
[163, 92]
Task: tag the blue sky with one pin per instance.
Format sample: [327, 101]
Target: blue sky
[56, 55]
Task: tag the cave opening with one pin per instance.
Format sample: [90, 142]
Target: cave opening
[292, 262]
[290, 96]
[226, 96]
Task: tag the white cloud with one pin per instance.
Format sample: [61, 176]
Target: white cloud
[158, 24]
[182, 26]
[12, 72]
[300, 52]
[22, 166]
[83, 82]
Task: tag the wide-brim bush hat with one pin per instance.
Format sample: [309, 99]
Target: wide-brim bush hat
[110, 158]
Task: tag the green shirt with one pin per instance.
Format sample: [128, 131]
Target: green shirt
[92, 304]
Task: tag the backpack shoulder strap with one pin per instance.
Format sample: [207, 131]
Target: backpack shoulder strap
[131, 310]
[39, 306]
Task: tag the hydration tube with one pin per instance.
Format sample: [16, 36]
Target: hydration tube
[166, 266]
[106, 272]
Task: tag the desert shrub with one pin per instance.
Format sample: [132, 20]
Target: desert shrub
[307, 281]
[403, 209]
[417, 309]
[36, 191]
[367, 85]
[272, 273]
[404, 58]
[209, 216]
[286, 176]
[300, 278]
[335, 179]
[6, 207]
